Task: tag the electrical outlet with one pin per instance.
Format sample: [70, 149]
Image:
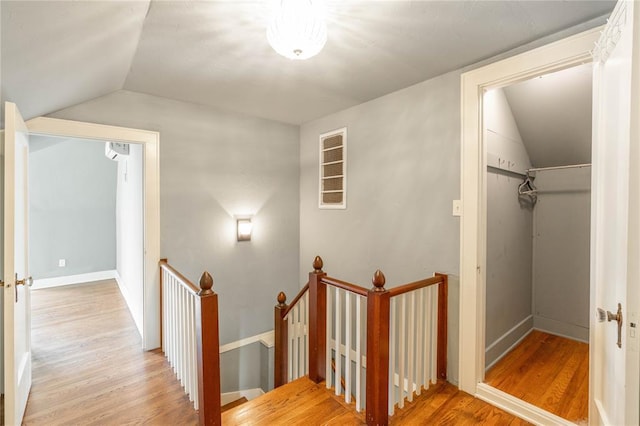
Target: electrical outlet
[62, 263]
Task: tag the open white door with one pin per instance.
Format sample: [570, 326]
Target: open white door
[615, 233]
[17, 303]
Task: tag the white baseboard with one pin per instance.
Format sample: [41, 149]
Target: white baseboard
[250, 394]
[127, 297]
[73, 279]
[518, 407]
[505, 343]
[562, 329]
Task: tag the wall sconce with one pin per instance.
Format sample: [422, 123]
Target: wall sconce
[244, 229]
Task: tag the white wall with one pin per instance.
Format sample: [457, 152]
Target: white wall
[130, 231]
[72, 199]
[509, 233]
[562, 226]
[2, 262]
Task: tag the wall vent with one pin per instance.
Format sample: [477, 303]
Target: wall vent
[333, 169]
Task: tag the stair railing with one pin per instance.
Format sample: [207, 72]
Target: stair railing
[190, 338]
[418, 338]
[398, 336]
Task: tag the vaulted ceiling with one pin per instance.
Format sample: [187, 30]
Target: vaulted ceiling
[553, 115]
[59, 53]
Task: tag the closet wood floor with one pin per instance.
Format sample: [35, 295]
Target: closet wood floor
[548, 371]
[89, 366]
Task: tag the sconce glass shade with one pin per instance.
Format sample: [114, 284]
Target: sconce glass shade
[297, 29]
[244, 227]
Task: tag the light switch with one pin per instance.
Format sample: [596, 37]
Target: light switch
[62, 263]
[457, 207]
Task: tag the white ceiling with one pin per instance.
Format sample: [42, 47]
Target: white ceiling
[56, 54]
[553, 114]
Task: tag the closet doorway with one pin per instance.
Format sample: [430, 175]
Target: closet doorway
[538, 135]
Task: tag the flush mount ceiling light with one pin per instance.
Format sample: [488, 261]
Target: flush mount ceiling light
[297, 29]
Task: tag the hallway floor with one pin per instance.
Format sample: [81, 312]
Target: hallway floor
[89, 366]
[549, 371]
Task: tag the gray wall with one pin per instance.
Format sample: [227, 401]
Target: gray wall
[509, 254]
[214, 165]
[562, 226]
[509, 234]
[72, 196]
[130, 231]
[403, 156]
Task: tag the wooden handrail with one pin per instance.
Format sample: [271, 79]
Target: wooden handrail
[345, 286]
[406, 288]
[181, 278]
[295, 300]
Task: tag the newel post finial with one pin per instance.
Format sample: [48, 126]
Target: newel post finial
[206, 284]
[317, 265]
[378, 281]
[282, 298]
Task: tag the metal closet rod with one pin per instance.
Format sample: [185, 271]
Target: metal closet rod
[572, 166]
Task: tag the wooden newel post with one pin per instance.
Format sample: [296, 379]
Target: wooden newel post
[281, 342]
[443, 300]
[378, 308]
[208, 353]
[317, 322]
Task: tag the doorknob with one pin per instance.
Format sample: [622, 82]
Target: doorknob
[610, 316]
[25, 281]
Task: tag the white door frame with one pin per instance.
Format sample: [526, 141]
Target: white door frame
[569, 52]
[150, 141]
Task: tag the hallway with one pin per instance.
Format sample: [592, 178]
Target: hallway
[88, 365]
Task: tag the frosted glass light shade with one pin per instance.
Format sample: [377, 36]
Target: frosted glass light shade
[297, 29]
[244, 227]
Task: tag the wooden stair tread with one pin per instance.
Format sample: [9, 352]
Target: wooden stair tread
[301, 401]
[233, 404]
[305, 402]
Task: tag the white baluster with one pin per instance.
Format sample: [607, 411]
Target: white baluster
[419, 337]
[187, 343]
[358, 353]
[194, 358]
[434, 334]
[180, 335]
[347, 344]
[427, 337]
[393, 324]
[306, 333]
[290, 349]
[301, 338]
[294, 341]
[329, 318]
[411, 348]
[402, 348]
[172, 315]
[338, 356]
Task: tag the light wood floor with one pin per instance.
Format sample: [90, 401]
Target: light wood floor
[89, 367]
[548, 371]
[303, 402]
